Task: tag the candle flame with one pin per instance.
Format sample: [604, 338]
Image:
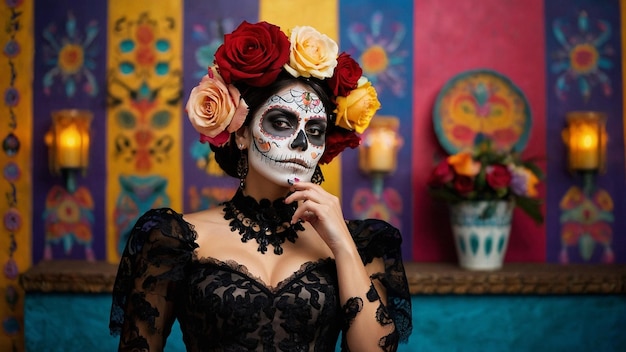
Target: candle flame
[588, 141]
[70, 137]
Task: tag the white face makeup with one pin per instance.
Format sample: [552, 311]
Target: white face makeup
[288, 135]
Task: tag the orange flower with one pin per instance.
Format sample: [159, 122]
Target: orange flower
[533, 181]
[464, 164]
[484, 173]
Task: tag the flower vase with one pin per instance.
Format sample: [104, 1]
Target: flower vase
[481, 232]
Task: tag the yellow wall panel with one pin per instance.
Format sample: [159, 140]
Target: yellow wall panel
[16, 119]
[144, 113]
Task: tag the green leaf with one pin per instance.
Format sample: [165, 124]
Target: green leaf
[501, 192]
[533, 168]
[489, 210]
[481, 179]
[530, 206]
[445, 194]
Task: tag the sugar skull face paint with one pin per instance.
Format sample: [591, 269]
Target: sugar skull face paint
[288, 133]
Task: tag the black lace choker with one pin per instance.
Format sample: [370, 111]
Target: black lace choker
[265, 221]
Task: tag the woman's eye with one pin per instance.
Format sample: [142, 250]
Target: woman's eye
[282, 124]
[315, 131]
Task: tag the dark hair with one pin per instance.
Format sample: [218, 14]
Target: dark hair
[228, 155]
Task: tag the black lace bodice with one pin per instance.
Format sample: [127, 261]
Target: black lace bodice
[221, 307]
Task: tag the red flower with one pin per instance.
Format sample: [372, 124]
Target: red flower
[498, 176]
[338, 140]
[218, 140]
[442, 174]
[463, 184]
[346, 75]
[488, 173]
[253, 54]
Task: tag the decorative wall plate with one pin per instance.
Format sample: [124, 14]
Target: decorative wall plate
[481, 104]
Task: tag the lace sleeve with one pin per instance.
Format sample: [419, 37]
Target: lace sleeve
[154, 260]
[378, 239]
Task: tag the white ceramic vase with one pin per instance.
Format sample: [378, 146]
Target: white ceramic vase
[481, 232]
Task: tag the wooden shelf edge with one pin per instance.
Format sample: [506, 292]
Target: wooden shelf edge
[517, 279]
[71, 276]
[75, 276]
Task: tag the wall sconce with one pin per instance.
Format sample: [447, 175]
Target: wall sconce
[585, 138]
[68, 144]
[378, 152]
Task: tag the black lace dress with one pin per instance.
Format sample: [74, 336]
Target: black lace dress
[221, 307]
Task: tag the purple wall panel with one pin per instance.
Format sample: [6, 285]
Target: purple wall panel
[57, 23]
[205, 23]
[570, 24]
[363, 25]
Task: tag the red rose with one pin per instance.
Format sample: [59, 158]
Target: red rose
[442, 174]
[498, 176]
[253, 54]
[464, 184]
[346, 75]
[218, 140]
[338, 140]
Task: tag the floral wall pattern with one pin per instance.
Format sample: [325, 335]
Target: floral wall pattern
[131, 64]
[144, 96]
[69, 72]
[583, 51]
[15, 128]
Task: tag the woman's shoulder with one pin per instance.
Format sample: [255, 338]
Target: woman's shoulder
[160, 218]
[158, 224]
[209, 226]
[205, 217]
[375, 238]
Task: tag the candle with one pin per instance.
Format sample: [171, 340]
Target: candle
[381, 141]
[69, 147]
[584, 136]
[381, 154]
[586, 152]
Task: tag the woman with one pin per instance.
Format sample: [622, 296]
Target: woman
[276, 268]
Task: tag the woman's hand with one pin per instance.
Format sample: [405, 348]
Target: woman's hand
[323, 211]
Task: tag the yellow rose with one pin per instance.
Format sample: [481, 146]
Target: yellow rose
[214, 107]
[464, 164]
[355, 111]
[312, 53]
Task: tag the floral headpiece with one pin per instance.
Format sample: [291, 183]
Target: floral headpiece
[255, 55]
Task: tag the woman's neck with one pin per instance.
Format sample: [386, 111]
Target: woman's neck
[258, 187]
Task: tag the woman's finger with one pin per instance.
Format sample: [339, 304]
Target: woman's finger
[306, 211]
[303, 191]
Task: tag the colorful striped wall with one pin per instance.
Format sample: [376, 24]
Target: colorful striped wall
[132, 63]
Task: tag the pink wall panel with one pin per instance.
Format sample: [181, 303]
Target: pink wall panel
[453, 36]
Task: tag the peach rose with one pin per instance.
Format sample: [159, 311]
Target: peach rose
[464, 164]
[355, 111]
[312, 53]
[215, 108]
